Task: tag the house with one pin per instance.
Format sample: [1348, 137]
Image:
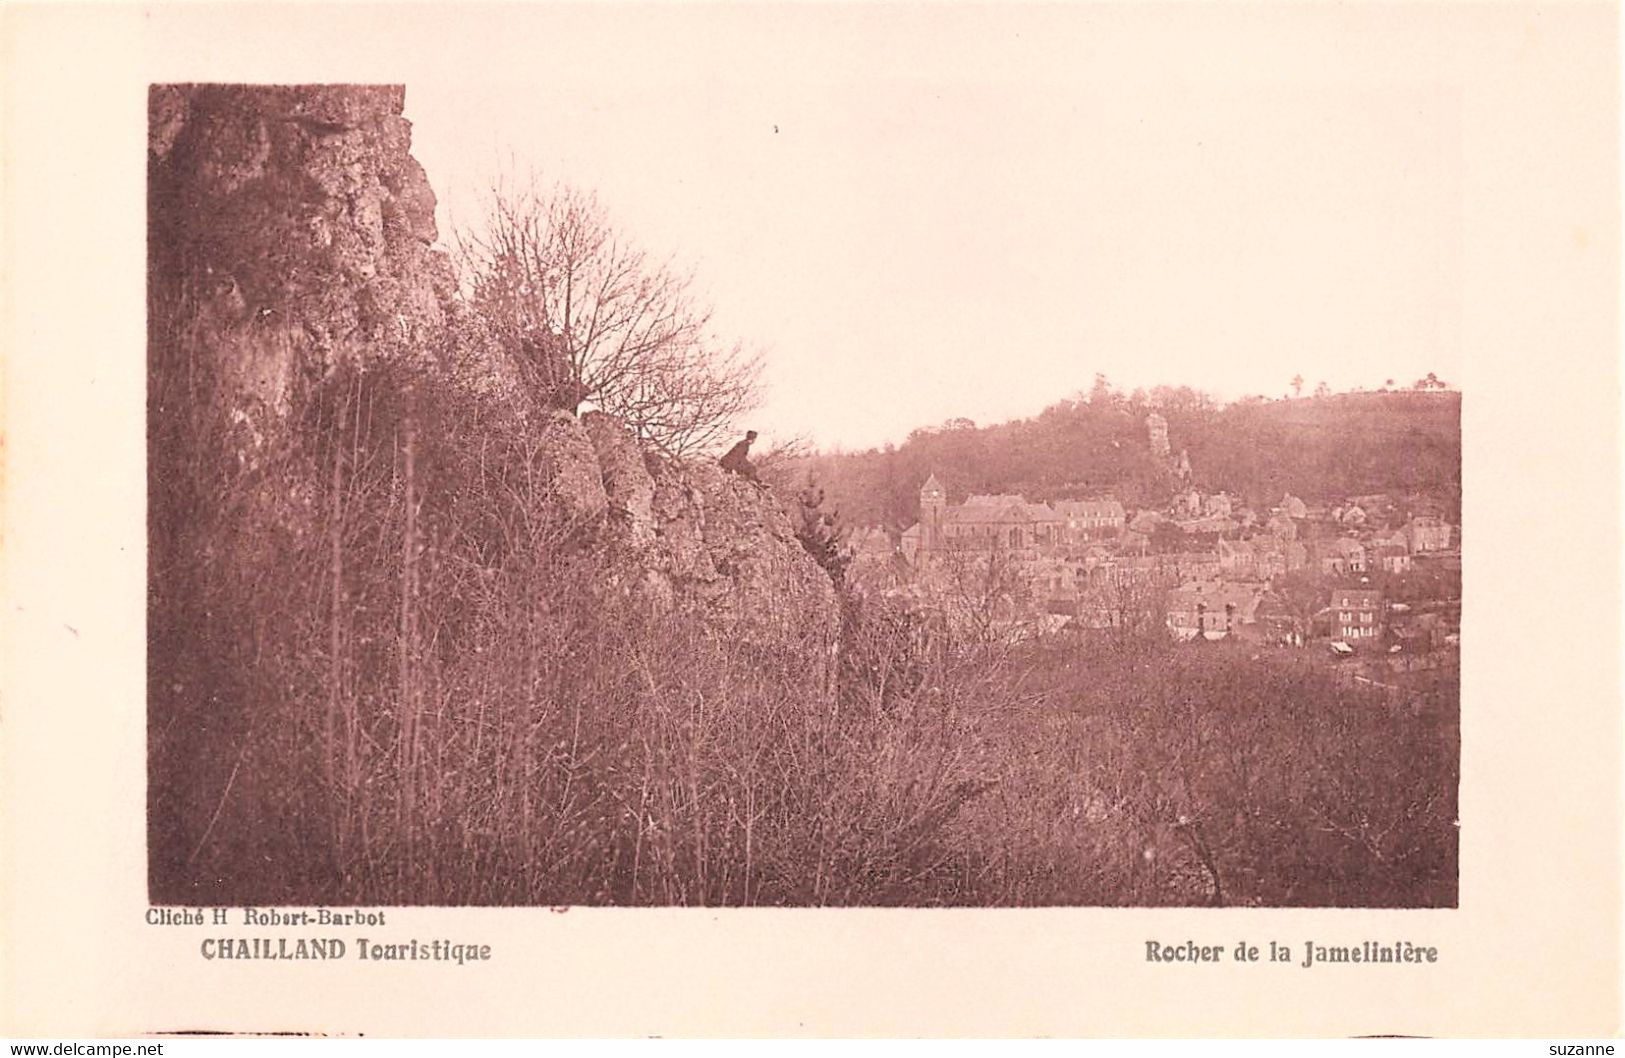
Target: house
[1293, 507]
[1427, 533]
[1191, 565]
[1390, 558]
[1281, 527]
[1356, 615]
[1238, 558]
[1212, 609]
[1261, 557]
[1090, 519]
[1340, 555]
[1397, 538]
[1136, 569]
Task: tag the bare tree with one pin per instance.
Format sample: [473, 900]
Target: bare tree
[584, 316]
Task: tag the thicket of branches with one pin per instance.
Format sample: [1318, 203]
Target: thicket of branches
[584, 315]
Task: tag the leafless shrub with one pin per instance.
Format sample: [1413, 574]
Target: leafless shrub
[585, 316]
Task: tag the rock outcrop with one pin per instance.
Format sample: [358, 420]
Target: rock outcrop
[291, 233]
[687, 537]
[290, 229]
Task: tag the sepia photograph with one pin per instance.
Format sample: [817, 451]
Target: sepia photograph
[907, 516]
[542, 593]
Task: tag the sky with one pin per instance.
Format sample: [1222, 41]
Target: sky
[919, 213]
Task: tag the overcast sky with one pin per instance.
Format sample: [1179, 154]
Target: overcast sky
[925, 213]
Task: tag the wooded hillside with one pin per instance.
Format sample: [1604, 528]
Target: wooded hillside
[1321, 448]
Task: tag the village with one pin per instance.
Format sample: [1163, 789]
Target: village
[1375, 578]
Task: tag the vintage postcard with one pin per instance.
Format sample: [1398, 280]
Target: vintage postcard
[817, 519]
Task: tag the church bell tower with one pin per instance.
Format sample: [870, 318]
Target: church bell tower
[933, 501]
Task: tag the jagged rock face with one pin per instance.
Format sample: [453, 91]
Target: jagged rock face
[626, 477]
[569, 464]
[289, 230]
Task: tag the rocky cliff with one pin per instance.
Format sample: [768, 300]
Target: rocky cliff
[290, 230]
[292, 236]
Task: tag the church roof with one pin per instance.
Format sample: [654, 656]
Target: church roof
[1012, 511]
[932, 483]
[972, 513]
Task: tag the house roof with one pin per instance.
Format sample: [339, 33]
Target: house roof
[1358, 598]
[1216, 595]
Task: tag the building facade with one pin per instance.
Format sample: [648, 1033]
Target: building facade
[1357, 615]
